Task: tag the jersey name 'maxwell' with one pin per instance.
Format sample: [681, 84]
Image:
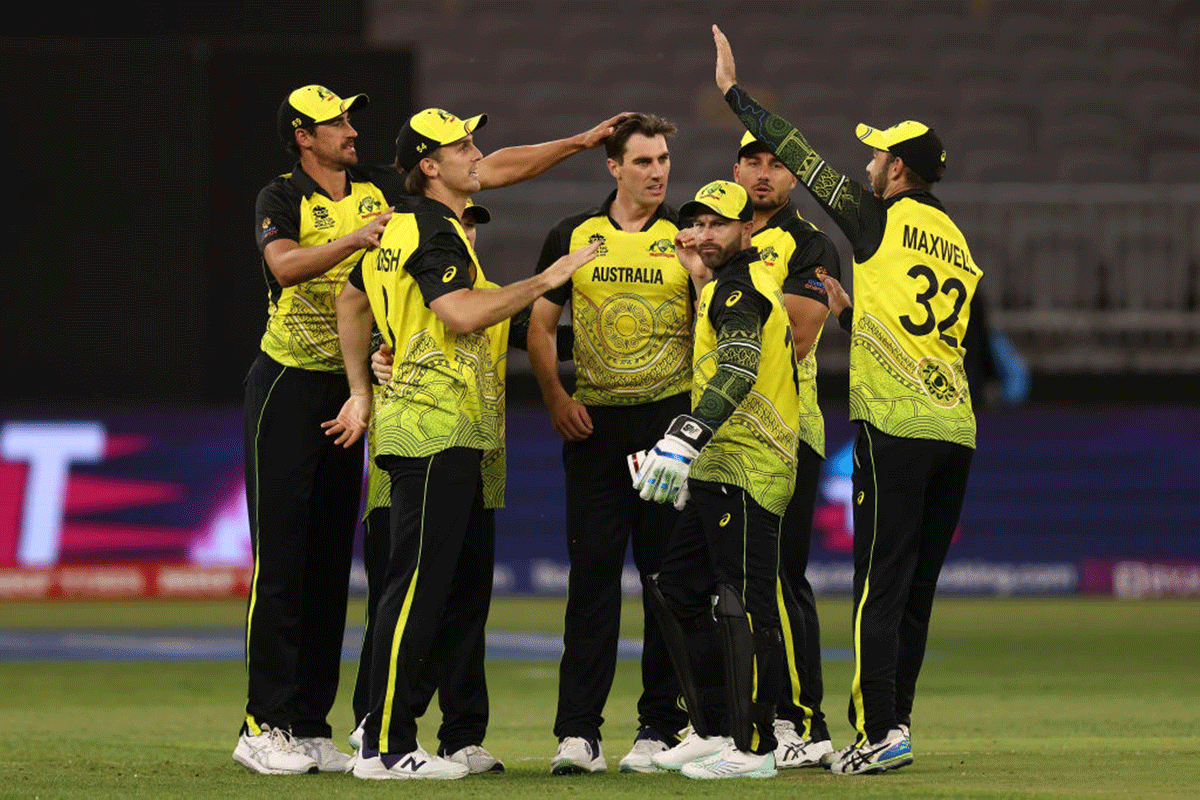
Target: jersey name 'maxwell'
[937, 246]
[627, 274]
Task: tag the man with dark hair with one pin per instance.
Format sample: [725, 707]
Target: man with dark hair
[914, 278]
[730, 464]
[439, 415]
[632, 318]
[796, 254]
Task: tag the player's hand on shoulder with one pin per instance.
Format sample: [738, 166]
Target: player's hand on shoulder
[351, 422]
[369, 235]
[561, 270]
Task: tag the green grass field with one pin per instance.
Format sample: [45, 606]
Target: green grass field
[1077, 697]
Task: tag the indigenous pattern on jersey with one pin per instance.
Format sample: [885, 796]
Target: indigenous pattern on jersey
[913, 299]
[631, 308]
[755, 448]
[494, 461]
[913, 282]
[444, 391]
[301, 319]
[793, 251]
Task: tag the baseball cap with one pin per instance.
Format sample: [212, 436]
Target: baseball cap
[312, 105]
[477, 212]
[427, 130]
[750, 145]
[724, 198]
[914, 142]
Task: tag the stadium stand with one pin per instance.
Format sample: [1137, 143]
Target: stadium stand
[1063, 120]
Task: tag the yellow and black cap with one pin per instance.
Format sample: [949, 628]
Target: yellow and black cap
[916, 144]
[724, 198]
[477, 212]
[750, 146]
[427, 130]
[311, 105]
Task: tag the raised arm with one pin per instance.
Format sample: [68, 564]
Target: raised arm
[841, 196]
[510, 165]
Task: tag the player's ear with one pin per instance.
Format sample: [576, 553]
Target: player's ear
[429, 166]
[612, 166]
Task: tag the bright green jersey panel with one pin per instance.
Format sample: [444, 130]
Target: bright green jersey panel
[756, 447]
[444, 390]
[912, 302]
[775, 247]
[302, 321]
[632, 316]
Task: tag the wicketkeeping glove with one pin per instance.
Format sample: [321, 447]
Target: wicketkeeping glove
[663, 475]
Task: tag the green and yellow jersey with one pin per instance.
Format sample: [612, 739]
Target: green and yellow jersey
[793, 250]
[631, 308]
[743, 337]
[913, 283]
[445, 391]
[301, 320]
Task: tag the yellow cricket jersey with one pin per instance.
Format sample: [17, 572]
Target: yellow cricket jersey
[755, 448]
[444, 391]
[912, 302]
[631, 309]
[301, 320]
[792, 249]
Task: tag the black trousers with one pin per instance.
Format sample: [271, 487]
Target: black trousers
[803, 691]
[303, 494]
[725, 537]
[908, 494]
[437, 582]
[603, 514]
[455, 669]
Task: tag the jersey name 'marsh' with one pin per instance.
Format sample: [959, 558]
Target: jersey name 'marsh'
[936, 246]
[627, 274]
[388, 260]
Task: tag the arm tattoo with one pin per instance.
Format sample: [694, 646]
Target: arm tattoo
[739, 343]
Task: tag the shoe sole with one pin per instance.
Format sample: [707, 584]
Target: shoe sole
[399, 776]
[254, 766]
[881, 766]
[572, 768]
[630, 768]
[758, 773]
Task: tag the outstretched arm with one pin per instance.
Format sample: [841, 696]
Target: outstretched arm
[510, 165]
[841, 196]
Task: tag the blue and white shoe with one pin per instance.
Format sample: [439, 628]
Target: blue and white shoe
[894, 752]
[576, 756]
[732, 763]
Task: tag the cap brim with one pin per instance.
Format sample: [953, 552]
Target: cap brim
[871, 137]
[348, 104]
[694, 208]
[475, 123]
[480, 214]
[753, 149]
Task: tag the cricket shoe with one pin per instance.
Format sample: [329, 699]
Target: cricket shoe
[647, 743]
[410, 766]
[577, 756]
[476, 759]
[794, 751]
[894, 752]
[321, 750]
[732, 763]
[356, 736]
[692, 748]
[272, 752]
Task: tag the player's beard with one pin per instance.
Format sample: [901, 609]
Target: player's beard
[715, 257]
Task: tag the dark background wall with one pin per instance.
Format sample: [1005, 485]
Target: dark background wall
[133, 276]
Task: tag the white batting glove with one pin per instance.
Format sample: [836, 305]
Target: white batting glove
[663, 474]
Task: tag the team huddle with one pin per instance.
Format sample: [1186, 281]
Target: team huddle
[693, 430]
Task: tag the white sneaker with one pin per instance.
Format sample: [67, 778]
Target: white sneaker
[693, 747]
[795, 751]
[576, 756]
[833, 755]
[732, 763]
[356, 736]
[476, 759]
[894, 752]
[321, 750]
[415, 765]
[272, 752]
[648, 742]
